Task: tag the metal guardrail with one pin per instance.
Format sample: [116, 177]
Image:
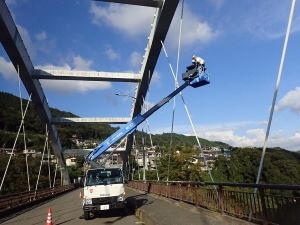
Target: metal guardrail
[272, 204]
[17, 200]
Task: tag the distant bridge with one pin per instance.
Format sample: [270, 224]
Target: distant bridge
[84, 152]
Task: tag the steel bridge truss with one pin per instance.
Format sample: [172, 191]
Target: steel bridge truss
[18, 54]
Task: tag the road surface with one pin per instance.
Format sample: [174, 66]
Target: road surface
[66, 210]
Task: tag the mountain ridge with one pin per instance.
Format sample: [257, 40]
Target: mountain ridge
[10, 117]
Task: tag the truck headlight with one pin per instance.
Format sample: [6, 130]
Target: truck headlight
[121, 197]
[88, 201]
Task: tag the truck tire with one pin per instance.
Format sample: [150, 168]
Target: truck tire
[86, 215]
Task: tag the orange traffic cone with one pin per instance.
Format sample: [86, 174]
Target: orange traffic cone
[49, 217]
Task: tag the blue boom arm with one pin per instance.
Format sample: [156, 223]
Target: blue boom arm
[195, 76]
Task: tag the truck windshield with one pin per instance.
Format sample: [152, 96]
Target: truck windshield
[104, 177]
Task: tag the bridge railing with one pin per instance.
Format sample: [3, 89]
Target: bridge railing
[14, 201]
[278, 204]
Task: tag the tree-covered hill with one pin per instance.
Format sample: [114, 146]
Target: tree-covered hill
[164, 139]
[280, 166]
[10, 117]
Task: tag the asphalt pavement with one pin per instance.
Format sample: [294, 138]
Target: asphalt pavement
[155, 210]
[142, 208]
[67, 210]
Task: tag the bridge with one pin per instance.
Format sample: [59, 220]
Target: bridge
[147, 201]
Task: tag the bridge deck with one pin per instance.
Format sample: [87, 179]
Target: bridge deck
[163, 211]
[153, 210]
[66, 209]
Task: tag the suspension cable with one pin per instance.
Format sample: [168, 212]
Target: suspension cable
[152, 146]
[276, 90]
[38, 178]
[49, 155]
[24, 134]
[14, 146]
[174, 100]
[54, 175]
[273, 102]
[148, 126]
[143, 142]
[147, 99]
[179, 40]
[136, 156]
[188, 113]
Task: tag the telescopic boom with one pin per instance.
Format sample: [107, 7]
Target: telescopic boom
[194, 76]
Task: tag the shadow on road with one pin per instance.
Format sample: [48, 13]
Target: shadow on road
[132, 203]
[136, 201]
[65, 221]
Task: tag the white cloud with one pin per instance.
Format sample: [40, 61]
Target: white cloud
[65, 86]
[195, 30]
[135, 59]
[27, 40]
[268, 19]
[257, 133]
[135, 21]
[147, 105]
[41, 36]
[291, 142]
[40, 42]
[217, 3]
[234, 125]
[227, 136]
[53, 67]
[253, 138]
[290, 101]
[242, 134]
[227, 133]
[155, 78]
[111, 54]
[14, 2]
[72, 86]
[131, 20]
[7, 69]
[11, 2]
[80, 63]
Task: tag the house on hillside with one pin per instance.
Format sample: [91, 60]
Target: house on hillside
[71, 161]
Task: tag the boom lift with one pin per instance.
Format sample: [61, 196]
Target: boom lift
[104, 187]
[194, 76]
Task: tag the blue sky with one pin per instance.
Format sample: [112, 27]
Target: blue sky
[241, 42]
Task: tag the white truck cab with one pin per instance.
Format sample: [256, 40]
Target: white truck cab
[103, 190]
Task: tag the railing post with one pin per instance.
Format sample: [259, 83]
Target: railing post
[167, 190]
[160, 187]
[149, 187]
[196, 191]
[220, 198]
[179, 193]
[188, 195]
[263, 205]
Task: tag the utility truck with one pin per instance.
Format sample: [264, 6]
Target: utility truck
[104, 187]
[103, 190]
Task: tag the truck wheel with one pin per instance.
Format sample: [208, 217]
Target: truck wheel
[86, 215]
